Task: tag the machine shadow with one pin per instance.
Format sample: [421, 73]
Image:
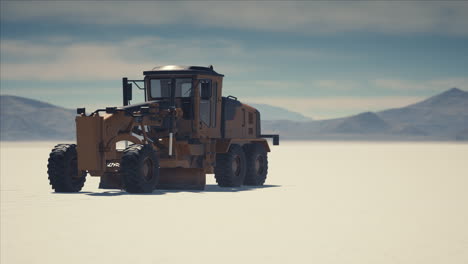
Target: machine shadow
[208, 189]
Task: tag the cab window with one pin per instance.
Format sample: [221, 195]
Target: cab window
[161, 88]
[183, 87]
[205, 104]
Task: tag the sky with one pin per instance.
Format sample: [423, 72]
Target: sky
[322, 59]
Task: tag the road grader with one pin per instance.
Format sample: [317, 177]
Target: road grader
[184, 130]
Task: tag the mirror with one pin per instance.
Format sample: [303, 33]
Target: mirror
[205, 92]
[127, 91]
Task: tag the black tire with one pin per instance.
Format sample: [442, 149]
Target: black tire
[230, 167]
[139, 169]
[63, 169]
[257, 164]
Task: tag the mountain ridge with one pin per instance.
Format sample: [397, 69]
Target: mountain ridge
[270, 112]
[441, 117]
[28, 119]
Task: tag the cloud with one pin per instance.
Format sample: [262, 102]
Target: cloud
[299, 17]
[51, 60]
[65, 58]
[333, 107]
[428, 85]
[337, 85]
[20, 49]
[75, 90]
[72, 62]
[310, 87]
[306, 83]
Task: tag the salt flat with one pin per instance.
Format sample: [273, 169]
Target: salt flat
[325, 202]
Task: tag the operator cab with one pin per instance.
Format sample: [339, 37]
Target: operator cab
[184, 87]
[196, 90]
[180, 79]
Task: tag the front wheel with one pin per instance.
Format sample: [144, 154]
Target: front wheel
[63, 169]
[139, 169]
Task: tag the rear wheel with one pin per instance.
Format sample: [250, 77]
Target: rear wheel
[139, 169]
[230, 167]
[63, 169]
[257, 164]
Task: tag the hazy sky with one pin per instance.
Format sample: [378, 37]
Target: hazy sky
[324, 59]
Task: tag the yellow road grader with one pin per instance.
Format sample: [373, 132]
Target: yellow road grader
[184, 130]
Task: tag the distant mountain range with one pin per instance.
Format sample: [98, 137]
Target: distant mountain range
[269, 112]
[441, 117]
[26, 119]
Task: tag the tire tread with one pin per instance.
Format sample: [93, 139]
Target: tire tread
[57, 169]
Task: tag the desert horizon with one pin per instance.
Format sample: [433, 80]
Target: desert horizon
[441, 117]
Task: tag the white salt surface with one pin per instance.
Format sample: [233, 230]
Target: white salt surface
[325, 202]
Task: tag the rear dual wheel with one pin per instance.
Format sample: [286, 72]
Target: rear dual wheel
[246, 165]
[231, 167]
[257, 164]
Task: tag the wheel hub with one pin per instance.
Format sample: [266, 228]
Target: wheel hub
[259, 164]
[147, 169]
[236, 165]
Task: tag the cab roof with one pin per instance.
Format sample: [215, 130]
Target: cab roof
[178, 69]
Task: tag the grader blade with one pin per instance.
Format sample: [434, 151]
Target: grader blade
[181, 179]
[110, 181]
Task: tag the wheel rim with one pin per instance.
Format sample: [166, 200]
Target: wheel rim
[236, 165]
[259, 164]
[147, 169]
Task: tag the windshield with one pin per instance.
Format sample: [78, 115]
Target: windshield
[161, 88]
